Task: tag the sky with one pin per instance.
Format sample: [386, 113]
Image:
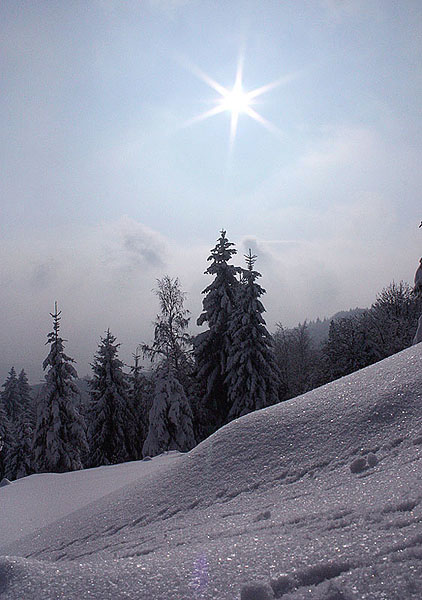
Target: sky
[109, 180]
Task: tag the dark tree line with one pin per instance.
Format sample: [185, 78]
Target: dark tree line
[195, 384]
[353, 342]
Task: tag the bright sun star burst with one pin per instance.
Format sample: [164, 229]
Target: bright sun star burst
[236, 101]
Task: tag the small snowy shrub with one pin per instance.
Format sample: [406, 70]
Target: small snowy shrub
[358, 465]
[256, 591]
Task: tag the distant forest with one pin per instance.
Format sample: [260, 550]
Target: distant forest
[195, 384]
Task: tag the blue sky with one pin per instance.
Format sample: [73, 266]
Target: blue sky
[104, 188]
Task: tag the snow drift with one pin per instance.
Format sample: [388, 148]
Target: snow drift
[317, 497]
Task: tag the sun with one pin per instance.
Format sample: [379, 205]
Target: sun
[236, 101]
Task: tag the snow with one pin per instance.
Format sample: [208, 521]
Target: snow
[170, 417]
[33, 502]
[267, 507]
[418, 279]
[418, 335]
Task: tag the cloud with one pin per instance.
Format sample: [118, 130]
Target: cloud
[101, 276]
[331, 225]
[104, 276]
[43, 275]
[129, 245]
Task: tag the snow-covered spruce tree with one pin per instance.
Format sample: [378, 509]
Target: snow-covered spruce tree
[171, 424]
[59, 437]
[19, 454]
[252, 375]
[141, 400]
[212, 347]
[25, 395]
[19, 460]
[4, 440]
[10, 396]
[170, 418]
[112, 424]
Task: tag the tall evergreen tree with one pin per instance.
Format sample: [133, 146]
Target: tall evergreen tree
[170, 419]
[212, 347]
[19, 459]
[252, 375]
[4, 440]
[141, 401]
[25, 395]
[59, 436]
[10, 396]
[112, 424]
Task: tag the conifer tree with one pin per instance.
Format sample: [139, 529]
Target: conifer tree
[212, 347]
[141, 401]
[19, 460]
[19, 455]
[252, 376]
[59, 436]
[170, 418]
[4, 440]
[25, 396]
[112, 424]
[10, 396]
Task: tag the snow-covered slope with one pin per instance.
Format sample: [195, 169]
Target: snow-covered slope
[319, 497]
[36, 501]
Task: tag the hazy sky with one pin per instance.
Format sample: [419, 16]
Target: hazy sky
[105, 185]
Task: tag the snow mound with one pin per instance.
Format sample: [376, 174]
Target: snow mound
[268, 503]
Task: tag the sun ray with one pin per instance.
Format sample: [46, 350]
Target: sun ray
[236, 100]
[270, 86]
[264, 122]
[208, 80]
[233, 127]
[206, 115]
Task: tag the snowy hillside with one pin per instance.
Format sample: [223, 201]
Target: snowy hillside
[36, 501]
[319, 497]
